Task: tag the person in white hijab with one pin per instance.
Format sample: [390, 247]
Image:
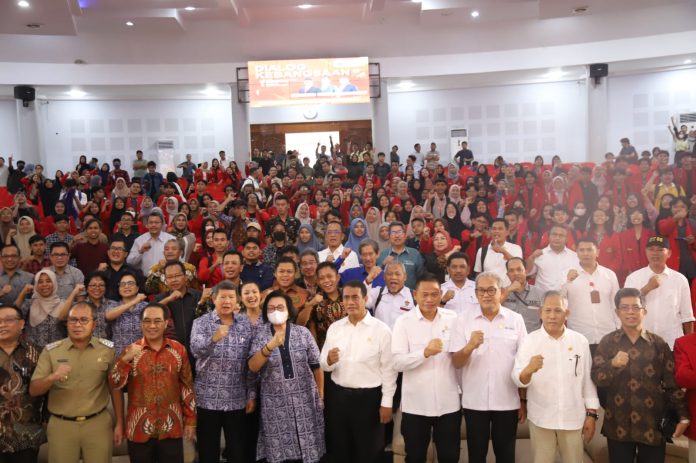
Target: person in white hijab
[25, 230]
[302, 214]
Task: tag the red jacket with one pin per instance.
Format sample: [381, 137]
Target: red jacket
[537, 200]
[668, 228]
[609, 251]
[685, 374]
[632, 251]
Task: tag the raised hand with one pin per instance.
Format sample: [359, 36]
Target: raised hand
[434, 347]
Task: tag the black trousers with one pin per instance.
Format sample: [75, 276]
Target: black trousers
[498, 426]
[210, 423]
[630, 452]
[22, 456]
[157, 451]
[251, 425]
[357, 434]
[445, 430]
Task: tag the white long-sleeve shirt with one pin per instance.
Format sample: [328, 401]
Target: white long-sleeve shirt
[551, 268]
[429, 385]
[592, 320]
[150, 257]
[668, 306]
[485, 379]
[561, 391]
[364, 357]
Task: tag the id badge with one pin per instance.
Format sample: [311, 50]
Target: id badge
[594, 296]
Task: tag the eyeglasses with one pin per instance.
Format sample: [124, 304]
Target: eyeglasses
[396, 232]
[334, 232]
[489, 291]
[274, 308]
[127, 283]
[80, 320]
[117, 248]
[11, 256]
[61, 254]
[96, 285]
[155, 322]
[9, 320]
[630, 308]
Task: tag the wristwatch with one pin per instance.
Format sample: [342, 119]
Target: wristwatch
[592, 415]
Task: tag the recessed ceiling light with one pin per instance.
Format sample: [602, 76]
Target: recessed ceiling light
[130, 23]
[406, 84]
[581, 9]
[475, 14]
[76, 93]
[23, 4]
[687, 61]
[190, 8]
[305, 6]
[34, 25]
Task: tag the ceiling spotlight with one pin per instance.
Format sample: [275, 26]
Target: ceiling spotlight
[475, 14]
[23, 4]
[76, 93]
[190, 8]
[305, 6]
[687, 61]
[581, 9]
[405, 84]
[130, 23]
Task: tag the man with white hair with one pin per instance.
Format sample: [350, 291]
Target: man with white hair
[554, 364]
[484, 345]
[389, 302]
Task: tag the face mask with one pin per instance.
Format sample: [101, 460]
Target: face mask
[277, 317]
[279, 236]
[580, 212]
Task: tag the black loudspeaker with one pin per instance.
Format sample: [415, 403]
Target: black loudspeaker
[598, 70]
[25, 93]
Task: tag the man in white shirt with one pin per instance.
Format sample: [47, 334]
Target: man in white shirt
[357, 353]
[420, 158]
[484, 345]
[430, 394]
[4, 172]
[334, 248]
[554, 365]
[458, 293]
[148, 249]
[551, 264]
[493, 257]
[590, 290]
[666, 293]
[390, 302]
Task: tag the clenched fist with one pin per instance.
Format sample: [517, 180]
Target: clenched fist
[536, 363]
[620, 359]
[221, 332]
[434, 347]
[476, 340]
[333, 356]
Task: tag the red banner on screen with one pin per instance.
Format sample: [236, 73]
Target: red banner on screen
[312, 81]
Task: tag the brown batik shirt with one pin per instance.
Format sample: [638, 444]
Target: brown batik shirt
[639, 392]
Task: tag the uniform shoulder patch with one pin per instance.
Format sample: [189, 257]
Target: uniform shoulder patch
[106, 342]
[53, 345]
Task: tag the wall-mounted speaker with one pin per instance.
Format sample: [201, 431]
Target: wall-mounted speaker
[598, 70]
[25, 93]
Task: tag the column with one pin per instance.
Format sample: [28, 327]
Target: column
[380, 120]
[28, 133]
[597, 119]
[240, 129]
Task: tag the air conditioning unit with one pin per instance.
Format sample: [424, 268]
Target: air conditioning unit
[688, 119]
[457, 136]
[166, 156]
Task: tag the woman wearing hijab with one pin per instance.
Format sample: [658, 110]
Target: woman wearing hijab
[306, 239]
[146, 208]
[303, 214]
[25, 230]
[453, 220]
[452, 175]
[179, 228]
[45, 311]
[372, 218]
[171, 208]
[559, 192]
[49, 193]
[383, 237]
[117, 211]
[436, 261]
[358, 234]
[121, 189]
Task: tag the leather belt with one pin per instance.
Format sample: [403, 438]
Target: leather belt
[77, 418]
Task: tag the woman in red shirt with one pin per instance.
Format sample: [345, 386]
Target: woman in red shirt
[632, 243]
[607, 242]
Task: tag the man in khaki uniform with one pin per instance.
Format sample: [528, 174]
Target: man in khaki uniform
[74, 372]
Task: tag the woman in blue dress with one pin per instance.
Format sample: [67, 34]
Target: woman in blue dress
[292, 386]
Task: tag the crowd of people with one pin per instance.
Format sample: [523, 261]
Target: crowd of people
[293, 308]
